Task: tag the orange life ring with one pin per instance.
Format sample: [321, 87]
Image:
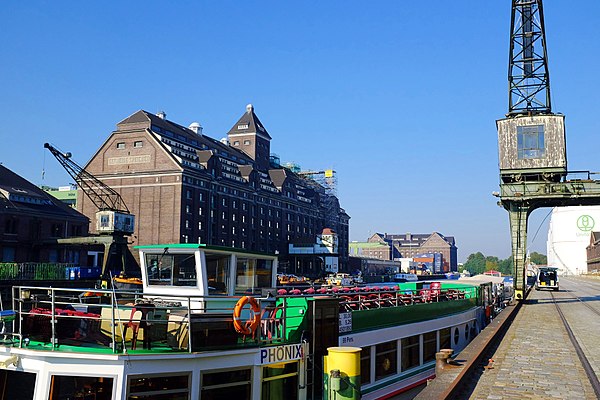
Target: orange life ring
[249, 327]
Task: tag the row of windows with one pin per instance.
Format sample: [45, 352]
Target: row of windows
[11, 227]
[237, 142]
[136, 144]
[383, 360]
[279, 381]
[226, 202]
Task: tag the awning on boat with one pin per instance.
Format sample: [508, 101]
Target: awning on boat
[482, 278]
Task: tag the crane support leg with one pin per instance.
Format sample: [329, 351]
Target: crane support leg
[107, 249]
[519, 214]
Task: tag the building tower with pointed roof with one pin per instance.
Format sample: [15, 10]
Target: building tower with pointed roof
[250, 136]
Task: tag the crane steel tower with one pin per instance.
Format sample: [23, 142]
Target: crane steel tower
[531, 139]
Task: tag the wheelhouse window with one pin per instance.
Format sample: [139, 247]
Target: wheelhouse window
[280, 381]
[217, 273]
[530, 142]
[386, 359]
[81, 387]
[252, 275]
[171, 269]
[234, 384]
[410, 352]
[169, 387]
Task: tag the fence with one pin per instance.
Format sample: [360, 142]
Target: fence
[36, 271]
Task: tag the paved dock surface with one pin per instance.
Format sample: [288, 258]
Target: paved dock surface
[536, 359]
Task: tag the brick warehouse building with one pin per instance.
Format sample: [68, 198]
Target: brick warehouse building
[185, 187]
[32, 222]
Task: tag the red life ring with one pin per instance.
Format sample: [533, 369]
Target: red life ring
[248, 327]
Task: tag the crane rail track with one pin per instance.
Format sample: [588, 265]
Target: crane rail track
[580, 354]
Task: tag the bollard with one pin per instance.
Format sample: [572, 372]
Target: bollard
[341, 374]
[441, 362]
[448, 351]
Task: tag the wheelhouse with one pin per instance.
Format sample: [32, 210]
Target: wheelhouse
[202, 270]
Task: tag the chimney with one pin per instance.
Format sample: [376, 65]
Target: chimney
[161, 114]
[196, 128]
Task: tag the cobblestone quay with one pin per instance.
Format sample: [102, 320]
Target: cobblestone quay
[536, 359]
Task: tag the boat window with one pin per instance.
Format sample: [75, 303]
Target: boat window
[163, 387]
[217, 273]
[232, 384]
[386, 359]
[280, 381]
[429, 346]
[80, 387]
[365, 365]
[252, 275]
[410, 352]
[445, 339]
[171, 269]
[17, 384]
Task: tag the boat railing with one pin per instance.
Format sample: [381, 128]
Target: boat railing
[124, 321]
[360, 298]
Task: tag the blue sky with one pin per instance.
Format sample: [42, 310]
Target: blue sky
[399, 97]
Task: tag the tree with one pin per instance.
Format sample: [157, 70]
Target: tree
[475, 263]
[538, 259]
[506, 266]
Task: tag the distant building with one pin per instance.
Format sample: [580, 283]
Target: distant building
[31, 222]
[593, 253]
[433, 262]
[410, 245]
[570, 233]
[315, 260]
[66, 194]
[186, 187]
[375, 267]
[377, 250]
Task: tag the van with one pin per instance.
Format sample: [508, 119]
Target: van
[547, 278]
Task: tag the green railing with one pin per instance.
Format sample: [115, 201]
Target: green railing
[35, 271]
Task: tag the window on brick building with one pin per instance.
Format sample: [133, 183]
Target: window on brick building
[138, 143]
[120, 145]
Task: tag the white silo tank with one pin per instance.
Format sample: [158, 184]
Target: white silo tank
[569, 234]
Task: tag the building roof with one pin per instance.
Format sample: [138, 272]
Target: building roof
[249, 123]
[18, 195]
[193, 151]
[180, 133]
[412, 239]
[367, 245]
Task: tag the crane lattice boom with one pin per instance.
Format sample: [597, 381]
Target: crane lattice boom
[103, 196]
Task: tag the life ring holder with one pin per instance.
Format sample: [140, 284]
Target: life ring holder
[248, 327]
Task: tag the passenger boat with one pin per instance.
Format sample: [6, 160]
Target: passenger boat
[211, 324]
[405, 278]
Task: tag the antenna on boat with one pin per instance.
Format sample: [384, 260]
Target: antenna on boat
[114, 304]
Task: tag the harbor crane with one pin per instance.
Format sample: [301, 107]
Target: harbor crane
[114, 222]
[532, 139]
